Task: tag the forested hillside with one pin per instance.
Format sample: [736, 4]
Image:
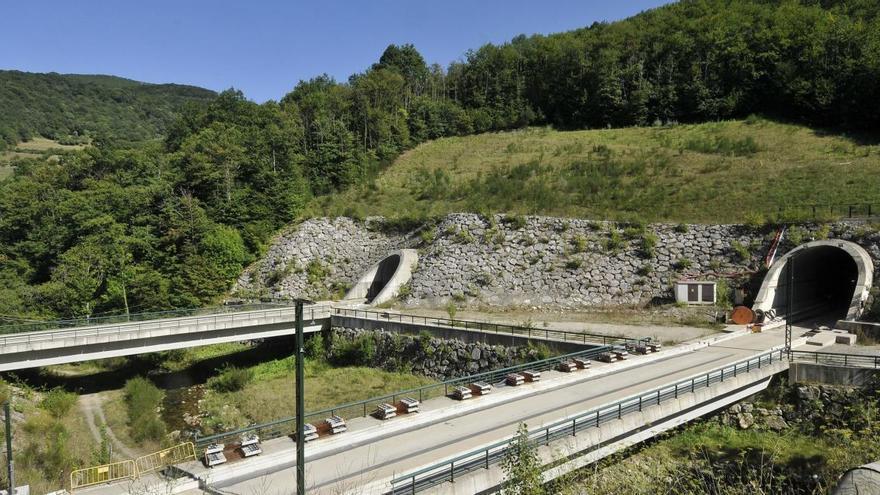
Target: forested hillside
[67, 106]
[171, 224]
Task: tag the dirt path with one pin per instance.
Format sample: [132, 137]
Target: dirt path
[91, 406]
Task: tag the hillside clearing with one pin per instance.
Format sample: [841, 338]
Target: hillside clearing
[732, 171]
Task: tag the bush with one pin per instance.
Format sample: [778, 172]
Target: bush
[58, 402]
[357, 352]
[316, 272]
[645, 270]
[649, 242]
[231, 379]
[681, 228]
[451, 310]
[742, 252]
[516, 222]
[578, 244]
[614, 242]
[683, 264]
[142, 400]
[573, 264]
[314, 346]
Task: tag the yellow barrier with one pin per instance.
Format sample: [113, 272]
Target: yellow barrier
[103, 474]
[158, 460]
[132, 469]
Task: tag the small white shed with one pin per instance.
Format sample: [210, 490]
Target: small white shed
[695, 292]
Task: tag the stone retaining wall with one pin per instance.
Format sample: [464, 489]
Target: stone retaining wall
[528, 261]
[433, 357]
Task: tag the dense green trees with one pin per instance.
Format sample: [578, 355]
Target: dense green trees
[137, 227]
[71, 108]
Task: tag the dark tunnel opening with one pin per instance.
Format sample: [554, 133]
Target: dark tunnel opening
[825, 279]
[386, 270]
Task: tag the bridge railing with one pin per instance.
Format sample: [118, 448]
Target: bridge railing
[835, 359]
[309, 313]
[36, 326]
[491, 327]
[483, 458]
[287, 426]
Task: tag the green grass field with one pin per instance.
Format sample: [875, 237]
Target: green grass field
[732, 171]
[34, 148]
[270, 395]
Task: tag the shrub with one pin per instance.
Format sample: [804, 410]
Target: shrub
[357, 352]
[742, 252]
[578, 244]
[142, 400]
[58, 402]
[464, 237]
[427, 236]
[516, 222]
[316, 272]
[314, 347]
[645, 270]
[451, 310]
[683, 264]
[573, 264]
[681, 228]
[231, 379]
[649, 242]
[614, 242]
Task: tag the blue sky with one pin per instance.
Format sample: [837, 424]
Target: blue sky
[265, 47]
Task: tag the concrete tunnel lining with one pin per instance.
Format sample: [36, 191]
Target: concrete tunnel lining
[834, 273]
[383, 280]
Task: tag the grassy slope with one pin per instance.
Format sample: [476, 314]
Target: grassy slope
[271, 394]
[716, 172]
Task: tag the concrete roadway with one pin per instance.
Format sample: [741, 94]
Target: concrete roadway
[356, 464]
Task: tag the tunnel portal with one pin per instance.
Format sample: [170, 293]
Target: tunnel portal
[831, 280]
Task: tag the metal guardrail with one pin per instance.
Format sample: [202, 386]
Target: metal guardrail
[490, 327]
[451, 469]
[834, 359]
[286, 426]
[311, 312]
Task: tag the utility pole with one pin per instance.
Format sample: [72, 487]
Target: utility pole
[7, 409]
[300, 400]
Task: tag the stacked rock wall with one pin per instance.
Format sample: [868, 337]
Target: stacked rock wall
[434, 357]
[527, 261]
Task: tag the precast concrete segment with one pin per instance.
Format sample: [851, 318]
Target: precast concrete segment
[44, 348]
[365, 465]
[383, 280]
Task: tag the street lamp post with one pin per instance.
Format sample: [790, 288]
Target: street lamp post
[300, 400]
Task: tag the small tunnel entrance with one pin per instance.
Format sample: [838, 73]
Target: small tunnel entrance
[831, 280]
[824, 283]
[384, 273]
[383, 280]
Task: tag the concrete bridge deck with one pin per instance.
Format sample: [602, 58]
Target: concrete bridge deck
[371, 453]
[68, 345]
